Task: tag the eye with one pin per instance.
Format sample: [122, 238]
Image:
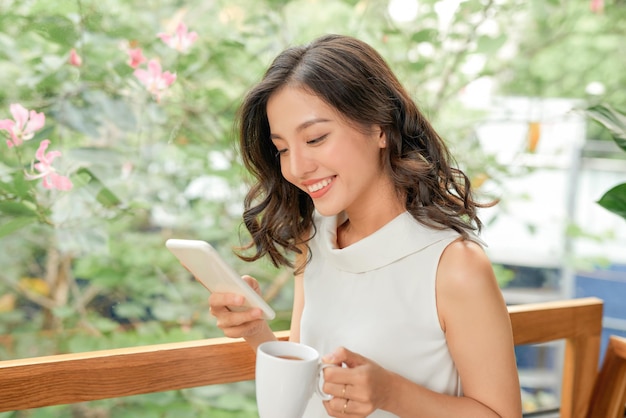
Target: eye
[280, 151]
[317, 140]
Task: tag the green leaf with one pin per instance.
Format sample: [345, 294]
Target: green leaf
[420, 65]
[17, 208]
[425, 35]
[233, 402]
[104, 195]
[107, 198]
[81, 343]
[488, 45]
[614, 200]
[15, 224]
[18, 185]
[104, 324]
[63, 312]
[611, 119]
[57, 29]
[129, 310]
[167, 311]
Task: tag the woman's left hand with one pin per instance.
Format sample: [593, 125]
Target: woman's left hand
[358, 389]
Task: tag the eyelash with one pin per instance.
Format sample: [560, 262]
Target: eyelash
[317, 140]
[311, 142]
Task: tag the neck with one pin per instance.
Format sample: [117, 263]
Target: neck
[364, 223]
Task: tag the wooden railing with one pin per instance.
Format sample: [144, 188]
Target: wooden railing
[579, 323]
[71, 378]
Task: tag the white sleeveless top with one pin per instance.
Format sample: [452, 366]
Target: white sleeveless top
[376, 297]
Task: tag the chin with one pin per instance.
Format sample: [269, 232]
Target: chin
[326, 210]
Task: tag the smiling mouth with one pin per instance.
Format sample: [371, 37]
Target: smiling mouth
[319, 185]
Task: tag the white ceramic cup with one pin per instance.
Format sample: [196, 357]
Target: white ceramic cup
[287, 375]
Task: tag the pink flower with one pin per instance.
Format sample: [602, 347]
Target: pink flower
[135, 57]
[75, 59]
[181, 40]
[154, 79]
[597, 6]
[51, 179]
[24, 125]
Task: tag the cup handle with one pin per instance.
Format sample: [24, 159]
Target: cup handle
[320, 381]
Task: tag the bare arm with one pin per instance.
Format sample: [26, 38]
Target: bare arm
[474, 317]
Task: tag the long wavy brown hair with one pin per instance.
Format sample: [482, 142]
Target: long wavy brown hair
[352, 77]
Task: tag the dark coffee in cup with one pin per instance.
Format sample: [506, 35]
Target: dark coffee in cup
[291, 357]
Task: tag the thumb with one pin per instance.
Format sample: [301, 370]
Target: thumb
[252, 282]
[343, 355]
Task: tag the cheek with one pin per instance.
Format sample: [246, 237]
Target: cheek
[285, 170]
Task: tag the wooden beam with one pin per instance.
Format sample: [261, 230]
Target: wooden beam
[579, 323]
[535, 323]
[70, 378]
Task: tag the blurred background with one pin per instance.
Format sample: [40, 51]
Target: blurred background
[140, 98]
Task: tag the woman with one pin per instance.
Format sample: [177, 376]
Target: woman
[391, 280]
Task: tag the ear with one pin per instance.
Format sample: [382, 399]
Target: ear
[382, 138]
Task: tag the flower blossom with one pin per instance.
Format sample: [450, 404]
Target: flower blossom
[155, 80]
[24, 125]
[181, 40]
[596, 6]
[51, 179]
[75, 59]
[135, 57]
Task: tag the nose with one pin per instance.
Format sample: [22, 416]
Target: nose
[300, 162]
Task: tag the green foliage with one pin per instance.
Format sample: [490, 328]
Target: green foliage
[566, 47]
[614, 199]
[612, 120]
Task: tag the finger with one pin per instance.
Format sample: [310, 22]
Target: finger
[343, 355]
[341, 407]
[331, 412]
[252, 282]
[338, 390]
[244, 330]
[222, 300]
[229, 319]
[334, 407]
[341, 382]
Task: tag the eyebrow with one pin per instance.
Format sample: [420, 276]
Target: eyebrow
[303, 126]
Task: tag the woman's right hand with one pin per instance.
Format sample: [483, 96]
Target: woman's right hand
[237, 324]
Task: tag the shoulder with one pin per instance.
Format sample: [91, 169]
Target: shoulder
[474, 317]
[465, 279]
[462, 259]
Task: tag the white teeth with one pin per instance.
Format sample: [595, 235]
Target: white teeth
[317, 186]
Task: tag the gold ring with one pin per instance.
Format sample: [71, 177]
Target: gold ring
[343, 391]
[345, 405]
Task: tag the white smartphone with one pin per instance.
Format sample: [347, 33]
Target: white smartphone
[210, 269]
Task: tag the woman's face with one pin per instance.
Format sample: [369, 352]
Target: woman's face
[338, 165]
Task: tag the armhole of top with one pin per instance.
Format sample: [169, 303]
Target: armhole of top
[460, 238]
